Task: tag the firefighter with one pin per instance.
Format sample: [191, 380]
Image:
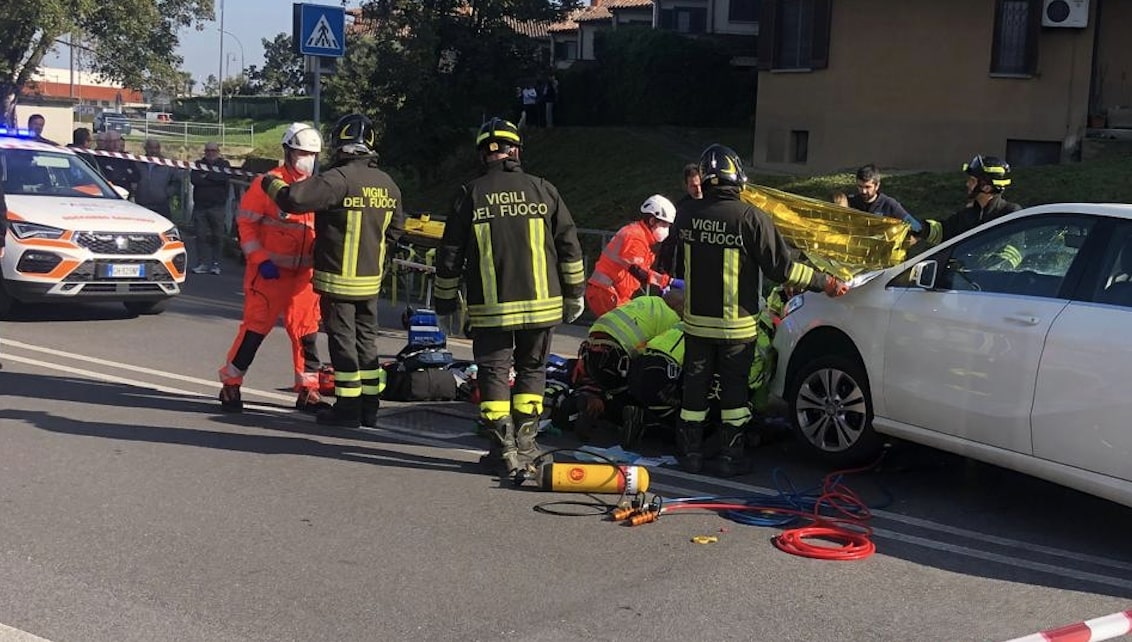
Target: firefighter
[615, 339]
[277, 278]
[626, 262]
[515, 244]
[358, 215]
[987, 179]
[725, 243]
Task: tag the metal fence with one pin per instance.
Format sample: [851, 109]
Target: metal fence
[190, 134]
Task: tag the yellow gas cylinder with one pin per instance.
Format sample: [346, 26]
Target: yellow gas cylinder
[575, 477]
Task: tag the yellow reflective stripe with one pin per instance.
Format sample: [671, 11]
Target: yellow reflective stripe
[572, 272]
[527, 403]
[713, 328]
[493, 410]
[693, 415]
[487, 263]
[446, 287]
[373, 381]
[935, 232]
[623, 328]
[351, 243]
[347, 377]
[735, 416]
[352, 286]
[731, 283]
[347, 393]
[800, 276]
[347, 384]
[537, 238]
[274, 186]
[485, 318]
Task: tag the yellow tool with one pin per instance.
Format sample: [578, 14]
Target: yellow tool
[705, 539]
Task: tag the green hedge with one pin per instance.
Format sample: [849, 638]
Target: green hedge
[654, 77]
[255, 107]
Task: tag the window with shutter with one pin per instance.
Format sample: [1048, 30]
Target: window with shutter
[794, 34]
[1016, 30]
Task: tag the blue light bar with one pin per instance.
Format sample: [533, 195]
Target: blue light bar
[17, 133]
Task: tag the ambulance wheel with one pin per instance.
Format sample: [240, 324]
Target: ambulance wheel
[146, 307]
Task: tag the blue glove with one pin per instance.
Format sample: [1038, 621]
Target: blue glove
[268, 270]
[677, 284]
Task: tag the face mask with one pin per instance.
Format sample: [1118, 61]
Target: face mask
[660, 233]
[305, 165]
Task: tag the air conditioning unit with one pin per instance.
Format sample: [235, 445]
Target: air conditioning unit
[1065, 13]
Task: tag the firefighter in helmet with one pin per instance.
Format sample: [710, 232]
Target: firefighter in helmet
[277, 278]
[987, 180]
[513, 242]
[358, 216]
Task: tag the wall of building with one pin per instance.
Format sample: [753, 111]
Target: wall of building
[911, 89]
[1114, 55]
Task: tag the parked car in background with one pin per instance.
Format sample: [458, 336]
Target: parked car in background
[71, 236]
[112, 121]
[1009, 344]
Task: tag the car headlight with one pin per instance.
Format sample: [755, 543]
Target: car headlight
[172, 234]
[25, 230]
[793, 305]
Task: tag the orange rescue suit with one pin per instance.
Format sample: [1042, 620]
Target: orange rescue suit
[611, 284]
[288, 241]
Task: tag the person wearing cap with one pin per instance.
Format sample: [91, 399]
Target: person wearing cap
[513, 241]
[277, 277]
[987, 180]
[626, 262]
[358, 215]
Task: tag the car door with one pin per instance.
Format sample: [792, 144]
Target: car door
[1081, 404]
[961, 359]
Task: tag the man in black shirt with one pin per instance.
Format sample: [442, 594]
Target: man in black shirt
[870, 199]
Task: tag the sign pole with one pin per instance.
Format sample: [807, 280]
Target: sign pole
[316, 65]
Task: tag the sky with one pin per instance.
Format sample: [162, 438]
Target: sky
[247, 23]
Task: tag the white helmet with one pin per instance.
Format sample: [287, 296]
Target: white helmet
[660, 207]
[302, 137]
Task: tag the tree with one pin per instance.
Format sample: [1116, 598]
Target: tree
[132, 41]
[211, 85]
[428, 71]
[282, 71]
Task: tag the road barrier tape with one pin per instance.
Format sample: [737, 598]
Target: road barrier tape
[169, 162]
[1101, 628]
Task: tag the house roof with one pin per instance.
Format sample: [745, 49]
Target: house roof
[594, 14]
[537, 29]
[613, 5]
[568, 24]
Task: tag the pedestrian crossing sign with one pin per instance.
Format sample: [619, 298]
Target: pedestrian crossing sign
[319, 30]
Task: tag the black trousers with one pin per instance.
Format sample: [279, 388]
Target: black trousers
[351, 329]
[732, 362]
[494, 351]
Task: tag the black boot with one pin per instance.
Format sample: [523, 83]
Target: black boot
[346, 413]
[230, 400]
[370, 405]
[632, 426]
[689, 441]
[732, 458]
[526, 431]
[502, 458]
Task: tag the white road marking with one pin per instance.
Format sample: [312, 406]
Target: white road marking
[9, 634]
[750, 489]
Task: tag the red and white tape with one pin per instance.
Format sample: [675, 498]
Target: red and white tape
[169, 162]
[1101, 628]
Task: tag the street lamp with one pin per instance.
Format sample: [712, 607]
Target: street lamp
[242, 67]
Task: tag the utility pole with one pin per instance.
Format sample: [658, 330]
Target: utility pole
[220, 71]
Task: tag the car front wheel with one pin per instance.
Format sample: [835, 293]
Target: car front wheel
[831, 409]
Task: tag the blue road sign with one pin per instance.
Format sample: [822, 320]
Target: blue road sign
[319, 30]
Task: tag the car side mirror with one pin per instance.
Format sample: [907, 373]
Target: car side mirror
[924, 274]
[122, 191]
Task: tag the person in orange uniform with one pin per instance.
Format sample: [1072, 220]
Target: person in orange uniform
[277, 280]
[626, 262]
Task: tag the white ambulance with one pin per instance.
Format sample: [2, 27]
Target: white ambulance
[71, 236]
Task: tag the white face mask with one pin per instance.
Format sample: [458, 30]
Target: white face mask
[660, 233]
[305, 165]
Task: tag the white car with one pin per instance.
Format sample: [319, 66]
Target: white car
[1010, 344]
[72, 236]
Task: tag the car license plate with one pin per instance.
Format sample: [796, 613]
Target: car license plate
[127, 271]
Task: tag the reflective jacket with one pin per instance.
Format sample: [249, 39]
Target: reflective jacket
[632, 245]
[669, 343]
[515, 244]
[969, 218]
[267, 233]
[357, 213]
[724, 243]
[636, 323]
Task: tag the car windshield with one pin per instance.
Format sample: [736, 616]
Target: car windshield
[46, 173]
